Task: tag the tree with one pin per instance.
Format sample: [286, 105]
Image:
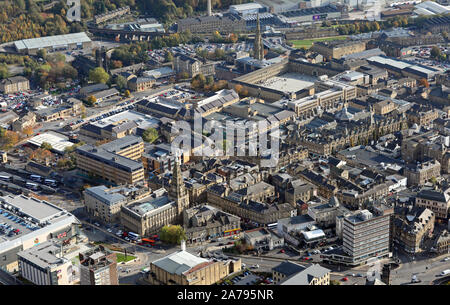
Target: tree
[435, 52]
[169, 57]
[150, 135]
[42, 53]
[10, 139]
[91, 100]
[98, 75]
[121, 82]
[424, 82]
[46, 145]
[28, 131]
[172, 234]
[127, 93]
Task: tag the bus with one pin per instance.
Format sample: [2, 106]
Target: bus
[133, 236]
[36, 178]
[272, 225]
[148, 241]
[50, 182]
[5, 177]
[32, 186]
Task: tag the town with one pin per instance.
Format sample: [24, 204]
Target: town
[228, 142]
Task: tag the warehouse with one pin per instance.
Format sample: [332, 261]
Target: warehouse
[53, 43]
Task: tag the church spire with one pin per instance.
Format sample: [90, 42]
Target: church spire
[177, 185]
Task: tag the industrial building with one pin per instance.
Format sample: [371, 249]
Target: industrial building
[26, 222]
[53, 43]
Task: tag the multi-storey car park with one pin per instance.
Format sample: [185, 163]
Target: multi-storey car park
[26, 222]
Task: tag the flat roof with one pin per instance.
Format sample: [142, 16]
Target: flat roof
[40, 210]
[58, 143]
[289, 82]
[50, 41]
[44, 255]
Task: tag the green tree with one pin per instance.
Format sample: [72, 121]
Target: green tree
[42, 53]
[169, 57]
[150, 135]
[121, 82]
[98, 75]
[435, 52]
[172, 234]
[46, 145]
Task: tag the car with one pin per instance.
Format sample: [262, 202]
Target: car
[344, 279]
[446, 259]
[109, 230]
[97, 224]
[282, 251]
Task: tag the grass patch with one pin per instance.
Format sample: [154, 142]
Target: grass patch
[307, 43]
[121, 257]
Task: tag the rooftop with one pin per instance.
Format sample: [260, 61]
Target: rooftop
[179, 262]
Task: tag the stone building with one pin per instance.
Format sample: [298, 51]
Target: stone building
[420, 173]
[184, 268]
[337, 49]
[436, 200]
[204, 222]
[411, 226]
[14, 84]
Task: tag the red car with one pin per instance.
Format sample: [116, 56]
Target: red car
[345, 279]
[282, 251]
[306, 258]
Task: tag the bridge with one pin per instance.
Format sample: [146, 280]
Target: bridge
[124, 35]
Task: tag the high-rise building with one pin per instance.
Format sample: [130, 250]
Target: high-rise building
[98, 266]
[209, 8]
[258, 47]
[366, 234]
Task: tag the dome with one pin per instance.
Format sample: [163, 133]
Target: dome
[344, 115]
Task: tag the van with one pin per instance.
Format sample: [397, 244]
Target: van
[445, 272]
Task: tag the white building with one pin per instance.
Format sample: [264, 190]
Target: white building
[26, 222]
[44, 265]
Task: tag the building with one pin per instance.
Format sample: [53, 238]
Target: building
[324, 214]
[105, 203]
[53, 43]
[26, 222]
[149, 215]
[337, 49]
[111, 14]
[71, 107]
[227, 23]
[186, 64]
[314, 274]
[300, 190]
[98, 266]
[263, 239]
[285, 270]
[119, 125]
[411, 226]
[139, 84]
[204, 222]
[115, 162]
[258, 45]
[184, 268]
[14, 84]
[27, 120]
[420, 173]
[110, 167]
[44, 264]
[366, 235]
[436, 200]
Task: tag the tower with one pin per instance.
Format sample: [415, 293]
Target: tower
[258, 47]
[208, 8]
[177, 190]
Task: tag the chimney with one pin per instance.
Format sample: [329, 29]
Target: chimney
[209, 8]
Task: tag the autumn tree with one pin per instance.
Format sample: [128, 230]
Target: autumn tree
[91, 100]
[423, 82]
[28, 131]
[46, 145]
